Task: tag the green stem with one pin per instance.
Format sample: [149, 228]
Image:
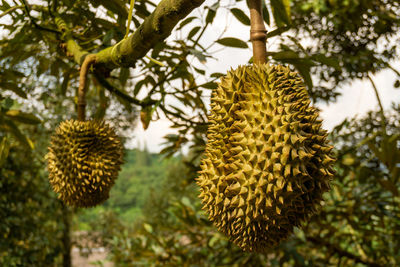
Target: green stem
[10, 10]
[378, 98]
[129, 18]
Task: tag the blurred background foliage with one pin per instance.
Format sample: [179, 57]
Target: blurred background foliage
[154, 217]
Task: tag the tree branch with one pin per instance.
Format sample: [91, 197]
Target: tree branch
[155, 28]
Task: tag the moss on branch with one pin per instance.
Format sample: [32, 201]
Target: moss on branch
[155, 28]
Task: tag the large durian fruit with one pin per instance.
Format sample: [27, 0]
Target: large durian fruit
[267, 161]
[83, 162]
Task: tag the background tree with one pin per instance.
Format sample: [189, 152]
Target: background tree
[329, 42]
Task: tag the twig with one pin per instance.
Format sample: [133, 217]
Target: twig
[117, 92]
[34, 22]
[129, 18]
[393, 69]
[10, 10]
[378, 98]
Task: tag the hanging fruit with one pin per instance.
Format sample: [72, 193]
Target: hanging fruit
[267, 161]
[84, 157]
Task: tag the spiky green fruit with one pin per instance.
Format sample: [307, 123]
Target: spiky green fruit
[83, 162]
[267, 161]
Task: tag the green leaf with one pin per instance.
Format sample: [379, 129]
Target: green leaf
[396, 84]
[199, 55]
[232, 42]
[193, 32]
[13, 87]
[210, 85]
[64, 84]
[43, 66]
[241, 16]
[217, 75]
[200, 71]
[7, 103]
[138, 87]
[23, 117]
[212, 11]
[304, 71]
[102, 105]
[148, 227]
[277, 31]
[266, 13]
[4, 149]
[11, 127]
[282, 55]
[124, 75]
[281, 11]
[329, 61]
[390, 186]
[108, 37]
[185, 22]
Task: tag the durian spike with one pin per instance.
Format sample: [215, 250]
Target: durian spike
[89, 61]
[258, 33]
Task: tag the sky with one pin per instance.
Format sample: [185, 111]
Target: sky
[357, 98]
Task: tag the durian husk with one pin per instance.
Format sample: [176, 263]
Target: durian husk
[267, 161]
[84, 159]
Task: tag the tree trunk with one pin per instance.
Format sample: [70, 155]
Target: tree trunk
[66, 239]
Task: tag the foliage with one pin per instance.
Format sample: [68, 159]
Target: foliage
[30, 229]
[141, 173]
[357, 226]
[41, 46]
[351, 38]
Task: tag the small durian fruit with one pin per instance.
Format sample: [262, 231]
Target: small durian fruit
[267, 161]
[83, 162]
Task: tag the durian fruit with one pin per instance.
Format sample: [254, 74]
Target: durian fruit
[267, 161]
[83, 162]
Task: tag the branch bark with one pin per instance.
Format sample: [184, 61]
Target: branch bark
[89, 61]
[155, 28]
[66, 239]
[258, 33]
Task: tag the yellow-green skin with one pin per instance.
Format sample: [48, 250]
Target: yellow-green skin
[83, 162]
[267, 161]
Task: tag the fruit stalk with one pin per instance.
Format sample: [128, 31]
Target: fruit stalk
[258, 33]
[89, 61]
